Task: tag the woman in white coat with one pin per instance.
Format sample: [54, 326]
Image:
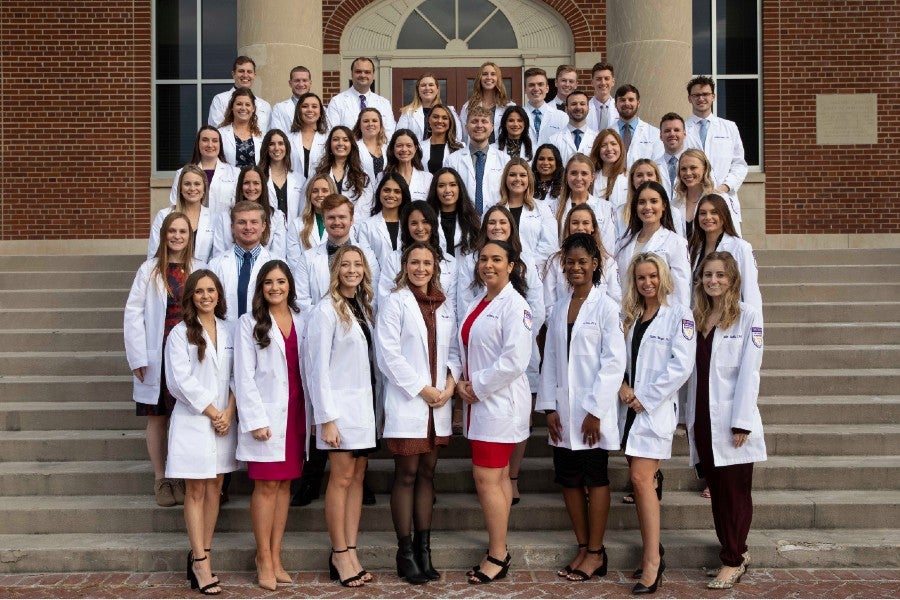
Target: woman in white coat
[202, 436]
[643, 169]
[693, 183]
[723, 423]
[549, 172]
[576, 189]
[488, 92]
[584, 359]
[382, 231]
[416, 115]
[341, 163]
[651, 229]
[253, 186]
[284, 185]
[419, 356]
[308, 230]
[308, 135]
[342, 380]
[220, 175]
[241, 135]
[272, 410]
[716, 233]
[611, 183]
[192, 200]
[404, 156]
[537, 228]
[495, 339]
[460, 223]
[513, 139]
[153, 308]
[371, 141]
[443, 139]
[659, 336]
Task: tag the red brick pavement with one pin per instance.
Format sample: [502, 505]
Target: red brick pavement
[678, 583]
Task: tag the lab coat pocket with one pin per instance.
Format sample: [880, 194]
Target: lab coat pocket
[190, 441]
[355, 409]
[664, 419]
[729, 353]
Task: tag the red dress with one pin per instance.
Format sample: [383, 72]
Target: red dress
[295, 435]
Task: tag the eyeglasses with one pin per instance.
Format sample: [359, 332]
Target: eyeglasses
[701, 96]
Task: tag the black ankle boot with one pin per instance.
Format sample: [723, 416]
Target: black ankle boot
[422, 543]
[407, 567]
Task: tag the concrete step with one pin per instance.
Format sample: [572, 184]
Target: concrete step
[62, 318]
[875, 356]
[71, 262]
[454, 475]
[43, 416]
[303, 551]
[828, 382]
[802, 273]
[888, 290]
[62, 340]
[844, 312]
[814, 334]
[64, 298]
[63, 363]
[790, 410]
[51, 280]
[837, 256]
[53, 388]
[777, 509]
[781, 440]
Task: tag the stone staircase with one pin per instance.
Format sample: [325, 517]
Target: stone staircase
[75, 483]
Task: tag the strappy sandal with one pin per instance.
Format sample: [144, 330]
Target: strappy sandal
[336, 575]
[579, 575]
[564, 572]
[478, 577]
[195, 583]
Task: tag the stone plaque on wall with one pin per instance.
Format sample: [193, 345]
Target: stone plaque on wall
[846, 119]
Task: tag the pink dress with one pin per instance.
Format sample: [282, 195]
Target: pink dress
[295, 436]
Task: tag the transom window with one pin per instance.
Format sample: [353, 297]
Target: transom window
[472, 24]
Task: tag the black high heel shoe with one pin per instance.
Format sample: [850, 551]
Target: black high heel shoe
[640, 588]
[518, 498]
[192, 577]
[579, 575]
[336, 575]
[564, 572]
[477, 577]
[639, 572]
[659, 484]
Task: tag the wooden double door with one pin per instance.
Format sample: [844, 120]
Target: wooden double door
[455, 83]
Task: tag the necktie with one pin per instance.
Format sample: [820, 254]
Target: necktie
[704, 127]
[537, 120]
[601, 118]
[673, 168]
[243, 282]
[362, 101]
[626, 136]
[577, 133]
[479, 185]
[561, 106]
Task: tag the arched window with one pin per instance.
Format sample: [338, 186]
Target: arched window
[472, 24]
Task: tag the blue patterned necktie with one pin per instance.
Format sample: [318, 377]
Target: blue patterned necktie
[479, 185]
[577, 133]
[704, 127]
[537, 120]
[673, 169]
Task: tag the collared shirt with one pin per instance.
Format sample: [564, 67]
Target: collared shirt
[239, 253]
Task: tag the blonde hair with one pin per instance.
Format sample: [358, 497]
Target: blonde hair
[501, 98]
[402, 279]
[416, 101]
[529, 193]
[632, 301]
[162, 251]
[364, 292]
[578, 157]
[309, 211]
[731, 307]
[706, 184]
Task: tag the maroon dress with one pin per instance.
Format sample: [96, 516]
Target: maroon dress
[295, 434]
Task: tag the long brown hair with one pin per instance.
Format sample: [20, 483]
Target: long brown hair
[452, 134]
[610, 171]
[162, 252]
[189, 310]
[703, 304]
[193, 170]
[354, 174]
[364, 292]
[402, 279]
[229, 112]
[626, 210]
[697, 242]
[564, 193]
[260, 306]
[478, 92]
[529, 193]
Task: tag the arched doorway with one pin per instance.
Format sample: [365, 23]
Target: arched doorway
[451, 38]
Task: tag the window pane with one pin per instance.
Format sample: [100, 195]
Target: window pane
[496, 33]
[409, 91]
[418, 34]
[176, 125]
[736, 44]
[176, 39]
[471, 14]
[208, 92]
[702, 23]
[219, 35]
[442, 14]
[738, 101]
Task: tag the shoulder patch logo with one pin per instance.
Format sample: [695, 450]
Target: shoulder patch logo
[687, 329]
[756, 334]
[526, 319]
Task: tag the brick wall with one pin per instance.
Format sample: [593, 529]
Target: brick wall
[812, 47]
[75, 135]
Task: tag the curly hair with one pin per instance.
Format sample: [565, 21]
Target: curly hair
[260, 307]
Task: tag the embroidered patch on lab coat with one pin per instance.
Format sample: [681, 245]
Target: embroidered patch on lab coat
[527, 319]
[687, 329]
[756, 335]
[622, 322]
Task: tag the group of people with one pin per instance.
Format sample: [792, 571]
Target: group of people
[346, 282]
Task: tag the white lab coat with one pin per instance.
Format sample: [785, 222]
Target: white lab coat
[426, 153]
[725, 152]
[404, 360]
[665, 359]
[565, 141]
[313, 276]
[296, 199]
[662, 163]
[521, 154]
[367, 162]
[555, 285]
[669, 246]
[219, 105]
[375, 234]
[606, 223]
[262, 390]
[344, 109]
[229, 147]
[495, 362]
[415, 121]
[584, 376]
[742, 252]
[464, 116]
[223, 239]
[144, 325]
[538, 233]
[316, 152]
[733, 392]
[553, 121]
[224, 265]
[617, 201]
[462, 161]
[645, 142]
[362, 201]
[222, 188]
[338, 378]
[295, 246]
[283, 115]
[203, 244]
[608, 119]
[391, 267]
[195, 451]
